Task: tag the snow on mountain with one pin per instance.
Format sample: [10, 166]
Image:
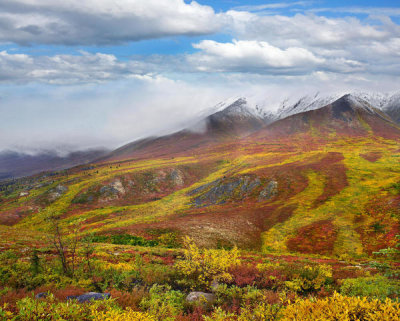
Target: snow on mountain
[389, 103]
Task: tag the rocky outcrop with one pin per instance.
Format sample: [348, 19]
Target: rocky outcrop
[57, 192]
[269, 191]
[113, 189]
[226, 189]
[177, 177]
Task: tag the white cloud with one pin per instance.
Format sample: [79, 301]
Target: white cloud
[99, 22]
[276, 5]
[66, 69]
[251, 56]
[310, 30]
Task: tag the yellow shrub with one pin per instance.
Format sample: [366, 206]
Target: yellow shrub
[202, 267]
[310, 278]
[260, 312]
[220, 315]
[127, 315]
[344, 308]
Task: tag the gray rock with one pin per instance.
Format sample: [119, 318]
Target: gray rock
[269, 191]
[177, 177]
[113, 189]
[200, 297]
[41, 295]
[61, 189]
[92, 296]
[57, 192]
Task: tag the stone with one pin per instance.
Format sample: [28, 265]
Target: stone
[177, 177]
[41, 295]
[113, 189]
[200, 297]
[92, 296]
[269, 191]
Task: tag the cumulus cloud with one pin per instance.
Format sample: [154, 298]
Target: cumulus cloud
[101, 22]
[309, 30]
[302, 44]
[252, 56]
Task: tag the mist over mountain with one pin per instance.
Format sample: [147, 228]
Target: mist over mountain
[17, 164]
[234, 118]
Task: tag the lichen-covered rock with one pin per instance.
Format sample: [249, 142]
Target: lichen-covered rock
[177, 177]
[92, 296]
[269, 191]
[223, 190]
[200, 297]
[113, 189]
[57, 192]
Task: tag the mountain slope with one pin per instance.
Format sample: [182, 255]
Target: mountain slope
[392, 108]
[323, 181]
[349, 115]
[232, 122]
[15, 164]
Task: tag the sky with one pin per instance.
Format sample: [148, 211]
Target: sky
[77, 74]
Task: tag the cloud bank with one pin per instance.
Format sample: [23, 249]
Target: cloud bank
[64, 80]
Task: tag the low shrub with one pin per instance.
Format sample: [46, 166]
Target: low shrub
[309, 278]
[340, 307]
[379, 287]
[164, 303]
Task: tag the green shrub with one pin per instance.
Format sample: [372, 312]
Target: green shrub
[379, 287]
[309, 278]
[164, 303]
[123, 239]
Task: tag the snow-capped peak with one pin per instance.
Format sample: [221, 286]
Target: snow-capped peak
[297, 104]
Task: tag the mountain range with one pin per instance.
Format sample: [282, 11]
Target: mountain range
[320, 176]
[235, 117]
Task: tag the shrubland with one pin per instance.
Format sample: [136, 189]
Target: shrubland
[151, 283]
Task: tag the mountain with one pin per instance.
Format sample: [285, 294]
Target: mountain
[392, 107]
[322, 181]
[15, 164]
[318, 100]
[231, 121]
[348, 115]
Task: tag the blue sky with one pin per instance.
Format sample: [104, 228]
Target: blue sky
[76, 74]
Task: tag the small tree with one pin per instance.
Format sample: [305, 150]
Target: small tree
[392, 253]
[65, 241]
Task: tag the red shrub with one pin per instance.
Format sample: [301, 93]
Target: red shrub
[129, 299]
[245, 274]
[318, 237]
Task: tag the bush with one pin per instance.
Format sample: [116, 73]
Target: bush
[309, 278]
[378, 287]
[259, 312]
[201, 267]
[163, 302]
[340, 307]
[123, 239]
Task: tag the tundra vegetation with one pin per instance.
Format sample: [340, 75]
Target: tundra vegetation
[299, 229]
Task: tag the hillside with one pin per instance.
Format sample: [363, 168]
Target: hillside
[323, 181]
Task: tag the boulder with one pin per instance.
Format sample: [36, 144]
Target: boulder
[89, 296]
[200, 297]
[41, 295]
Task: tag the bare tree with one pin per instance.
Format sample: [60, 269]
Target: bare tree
[65, 241]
